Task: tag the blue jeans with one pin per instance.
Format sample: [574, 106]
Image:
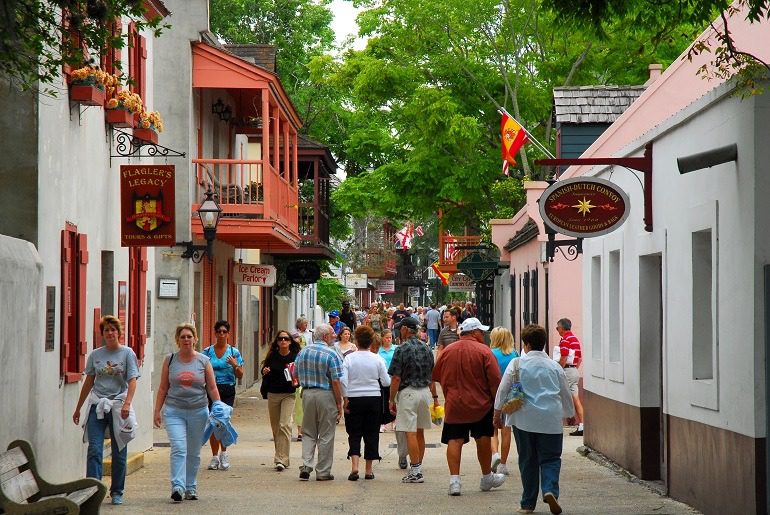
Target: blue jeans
[185, 430]
[539, 463]
[433, 337]
[96, 429]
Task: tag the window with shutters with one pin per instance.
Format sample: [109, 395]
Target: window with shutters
[137, 300]
[111, 59]
[74, 262]
[72, 39]
[137, 62]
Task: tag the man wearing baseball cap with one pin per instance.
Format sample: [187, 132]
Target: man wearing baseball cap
[469, 376]
[334, 321]
[411, 390]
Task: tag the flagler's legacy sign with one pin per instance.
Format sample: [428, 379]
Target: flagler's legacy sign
[584, 207]
[147, 206]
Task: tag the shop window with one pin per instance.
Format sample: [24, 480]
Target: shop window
[596, 307]
[74, 261]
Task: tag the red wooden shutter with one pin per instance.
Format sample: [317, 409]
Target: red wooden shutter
[232, 302]
[141, 58]
[66, 300]
[209, 301]
[132, 63]
[70, 38]
[141, 312]
[81, 299]
[131, 339]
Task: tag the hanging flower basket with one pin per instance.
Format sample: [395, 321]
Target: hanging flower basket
[146, 135]
[89, 95]
[119, 117]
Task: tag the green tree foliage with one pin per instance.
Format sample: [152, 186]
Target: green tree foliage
[330, 293]
[662, 19]
[38, 37]
[423, 133]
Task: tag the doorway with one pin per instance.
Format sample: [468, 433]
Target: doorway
[654, 429]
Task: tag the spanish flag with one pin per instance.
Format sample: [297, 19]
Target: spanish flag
[514, 136]
[441, 275]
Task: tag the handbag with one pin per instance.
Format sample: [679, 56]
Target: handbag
[514, 400]
[386, 417]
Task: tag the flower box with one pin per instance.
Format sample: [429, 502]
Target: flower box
[119, 117]
[146, 135]
[87, 95]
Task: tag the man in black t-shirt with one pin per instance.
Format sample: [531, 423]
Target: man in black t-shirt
[348, 316]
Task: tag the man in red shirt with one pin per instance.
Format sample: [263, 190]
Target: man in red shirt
[569, 356]
[469, 376]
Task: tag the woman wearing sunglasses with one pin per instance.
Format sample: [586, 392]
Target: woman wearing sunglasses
[228, 366]
[280, 393]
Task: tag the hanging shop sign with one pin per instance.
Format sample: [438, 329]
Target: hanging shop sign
[358, 281]
[385, 286]
[254, 275]
[461, 283]
[147, 206]
[584, 207]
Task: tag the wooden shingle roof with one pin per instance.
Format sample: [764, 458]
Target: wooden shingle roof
[593, 104]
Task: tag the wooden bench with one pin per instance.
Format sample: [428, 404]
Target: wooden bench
[22, 490]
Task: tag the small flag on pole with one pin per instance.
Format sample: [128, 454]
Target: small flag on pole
[441, 275]
[505, 168]
[513, 137]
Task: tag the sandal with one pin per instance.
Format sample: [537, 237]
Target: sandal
[369, 476]
[353, 476]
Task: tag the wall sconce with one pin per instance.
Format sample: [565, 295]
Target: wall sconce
[217, 107]
[224, 112]
[209, 214]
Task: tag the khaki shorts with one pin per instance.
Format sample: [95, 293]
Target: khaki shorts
[573, 376]
[413, 409]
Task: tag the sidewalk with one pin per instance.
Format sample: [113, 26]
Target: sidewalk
[252, 485]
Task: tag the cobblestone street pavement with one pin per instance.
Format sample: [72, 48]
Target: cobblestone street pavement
[253, 486]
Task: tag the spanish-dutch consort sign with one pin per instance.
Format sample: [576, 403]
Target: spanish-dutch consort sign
[147, 206]
[255, 275]
[584, 207]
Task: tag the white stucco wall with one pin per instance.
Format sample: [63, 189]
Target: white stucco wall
[724, 199]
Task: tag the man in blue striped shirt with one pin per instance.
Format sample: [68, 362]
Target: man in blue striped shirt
[318, 368]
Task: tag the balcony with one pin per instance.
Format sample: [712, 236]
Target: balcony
[316, 165]
[453, 249]
[407, 273]
[259, 204]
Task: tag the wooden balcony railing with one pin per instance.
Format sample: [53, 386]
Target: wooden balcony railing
[452, 250]
[247, 189]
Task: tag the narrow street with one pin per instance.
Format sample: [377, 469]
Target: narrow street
[253, 486]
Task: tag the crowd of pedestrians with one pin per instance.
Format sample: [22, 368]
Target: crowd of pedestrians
[378, 369]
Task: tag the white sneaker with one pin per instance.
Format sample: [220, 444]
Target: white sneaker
[214, 463]
[280, 467]
[454, 487]
[224, 461]
[503, 469]
[495, 461]
[491, 481]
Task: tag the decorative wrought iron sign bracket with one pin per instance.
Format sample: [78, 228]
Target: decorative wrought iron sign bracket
[642, 164]
[127, 145]
[574, 246]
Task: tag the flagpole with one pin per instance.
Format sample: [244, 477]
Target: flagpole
[534, 140]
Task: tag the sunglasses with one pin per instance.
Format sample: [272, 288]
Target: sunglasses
[284, 339]
[222, 331]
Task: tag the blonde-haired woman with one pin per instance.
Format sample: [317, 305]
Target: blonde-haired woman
[502, 348]
[186, 377]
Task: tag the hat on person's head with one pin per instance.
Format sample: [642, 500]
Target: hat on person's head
[334, 313]
[470, 324]
[409, 322]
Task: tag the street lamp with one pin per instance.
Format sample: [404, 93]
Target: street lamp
[208, 213]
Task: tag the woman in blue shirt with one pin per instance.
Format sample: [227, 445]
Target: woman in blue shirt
[502, 348]
[228, 366]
